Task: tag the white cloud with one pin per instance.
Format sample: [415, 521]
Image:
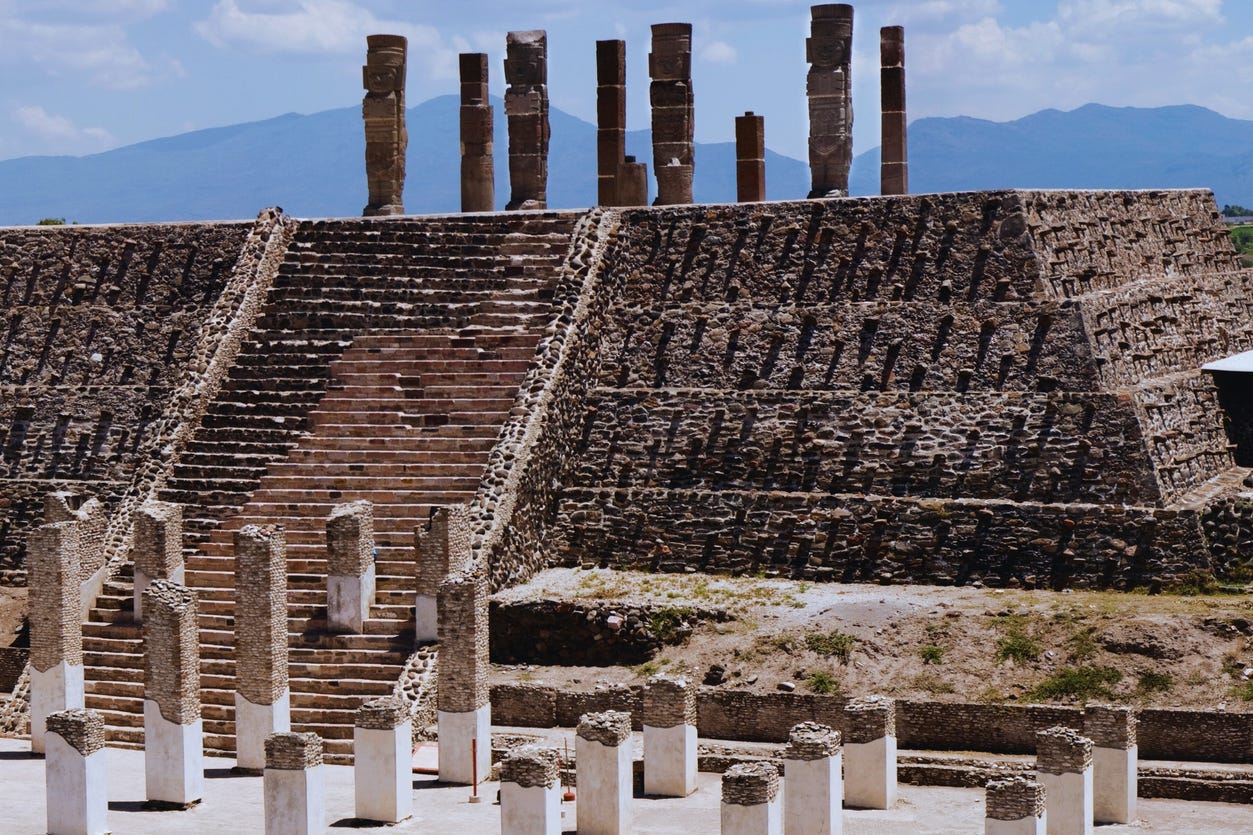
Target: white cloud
[102, 52]
[58, 131]
[718, 52]
[1121, 15]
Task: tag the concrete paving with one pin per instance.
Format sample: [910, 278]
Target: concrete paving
[233, 804]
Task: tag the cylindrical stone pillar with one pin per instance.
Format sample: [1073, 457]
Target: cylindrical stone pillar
[750, 158]
[870, 753]
[443, 550]
[530, 794]
[670, 67]
[526, 109]
[633, 183]
[829, 50]
[294, 786]
[382, 743]
[173, 731]
[813, 763]
[478, 171]
[464, 707]
[1115, 760]
[1015, 806]
[669, 737]
[158, 548]
[894, 155]
[610, 119]
[383, 110]
[1064, 767]
[602, 756]
[750, 800]
[350, 579]
[56, 630]
[262, 696]
[76, 775]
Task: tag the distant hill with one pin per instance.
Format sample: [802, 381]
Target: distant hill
[312, 165]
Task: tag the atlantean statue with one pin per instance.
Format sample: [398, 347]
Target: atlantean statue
[526, 108]
[829, 51]
[670, 66]
[384, 111]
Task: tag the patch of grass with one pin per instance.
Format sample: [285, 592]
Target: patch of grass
[931, 654]
[1151, 681]
[1195, 583]
[823, 682]
[932, 683]
[991, 695]
[837, 643]
[1244, 691]
[1017, 646]
[651, 668]
[1083, 645]
[669, 624]
[1078, 683]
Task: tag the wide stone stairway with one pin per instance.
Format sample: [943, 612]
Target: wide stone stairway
[381, 367]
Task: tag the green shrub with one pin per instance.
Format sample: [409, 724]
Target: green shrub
[670, 624]
[1195, 583]
[1083, 645]
[836, 643]
[1079, 683]
[1152, 681]
[1017, 646]
[1245, 691]
[932, 654]
[824, 682]
[51, 221]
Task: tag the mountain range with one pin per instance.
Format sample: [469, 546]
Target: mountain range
[312, 165]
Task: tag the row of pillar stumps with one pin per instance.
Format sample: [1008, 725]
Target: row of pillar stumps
[621, 180]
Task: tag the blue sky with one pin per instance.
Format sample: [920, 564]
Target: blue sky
[80, 76]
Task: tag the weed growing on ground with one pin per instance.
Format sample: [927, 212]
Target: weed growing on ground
[837, 643]
[823, 682]
[1083, 645]
[931, 654]
[932, 683]
[1151, 681]
[1078, 683]
[651, 668]
[1017, 646]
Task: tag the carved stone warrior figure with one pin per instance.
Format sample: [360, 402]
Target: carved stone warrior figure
[670, 66]
[384, 112]
[829, 51]
[526, 108]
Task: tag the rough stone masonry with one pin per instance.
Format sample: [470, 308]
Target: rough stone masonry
[526, 109]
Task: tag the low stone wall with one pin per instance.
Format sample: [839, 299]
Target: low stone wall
[12, 662]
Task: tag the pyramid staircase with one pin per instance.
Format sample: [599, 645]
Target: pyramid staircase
[382, 366]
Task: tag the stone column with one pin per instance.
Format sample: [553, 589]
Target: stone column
[350, 566]
[1064, 767]
[526, 108]
[669, 737]
[670, 67]
[294, 786]
[383, 109]
[158, 548]
[262, 697]
[610, 119]
[633, 183]
[1015, 806]
[829, 50]
[76, 774]
[478, 170]
[894, 156]
[90, 515]
[870, 753]
[464, 706]
[443, 550]
[173, 731]
[382, 751]
[750, 800]
[750, 158]
[56, 624]
[1115, 759]
[530, 795]
[813, 771]
[602, 756]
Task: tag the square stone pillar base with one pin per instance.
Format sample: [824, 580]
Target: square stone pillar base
[813, 795]
[58, 688]
[348, 601]
[427, 618]
[762, 819]
[1068, 802]
[383, 773]
[604, 777]
[670, 760]
[295, 801]
[535, 810]
[870, 774]
[1022, 826]
[142, 581]
[456, 733]
[77, 789]
[173, 759]
[1114, 784]
[253, 723]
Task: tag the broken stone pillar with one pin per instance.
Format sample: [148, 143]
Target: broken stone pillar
[294, 786]
[478, 170]
[76, 774]
[829, 50]
[526, 108]
[1064, 767]
[894, 156]
[90, 515]
[530, 794]
[383, 109]
[464, 708]
[158, 548]
[669, 737]
[56, 624]
[633, 183]
[870, 753]
[603, 759]
[813, 772]
[1015, 806]
[610, 119]
[670, 67]
[750, 800]
[382, 744]
[262, 697]
[350, 566]
[1115, 759]
[443, 550]
[750, 158]
[173, 731]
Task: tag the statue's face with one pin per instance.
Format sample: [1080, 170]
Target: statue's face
[381, 79]
[828, 52]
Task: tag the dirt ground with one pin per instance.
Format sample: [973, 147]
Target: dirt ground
[12, 614]
[927, 642]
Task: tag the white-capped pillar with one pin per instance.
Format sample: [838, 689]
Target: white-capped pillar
[530, 793]
[158, 548]
[750, 800]
[173, 732]
[294, 785]
[603, 762]
[443, 550]
[56, 630]
[870, 753]
[350, 566]
[1064, 767]
[1015, 806]
[1115, 760]
[382, 751]
[463, 700]
[76, 775]
[813, 776]
[669, 737]
[262, 695]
